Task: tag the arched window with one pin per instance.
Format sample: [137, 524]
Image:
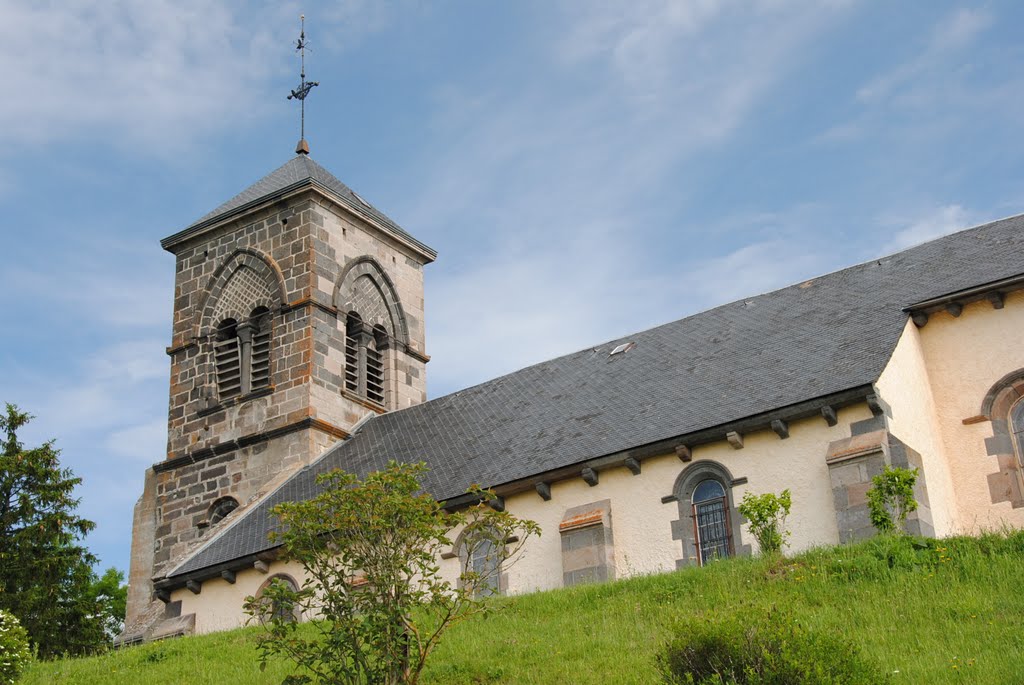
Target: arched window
[272, 607]
[242, 354]
[221, 508]
[1004, 407]
[1017, 428]
[365, 359]
[708, 525]
[481, 554]
[711, 521]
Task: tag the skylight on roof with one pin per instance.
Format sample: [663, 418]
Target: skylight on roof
[622, 349]
[356, 195]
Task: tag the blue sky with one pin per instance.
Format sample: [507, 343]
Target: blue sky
[584, 169]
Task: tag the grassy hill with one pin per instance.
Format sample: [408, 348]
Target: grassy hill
[926, 611]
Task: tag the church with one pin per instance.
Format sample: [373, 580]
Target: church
[299, 346]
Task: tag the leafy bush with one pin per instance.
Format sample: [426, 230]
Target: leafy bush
[760, 647]
[14, 653]
[891, 498]
[370, 548]
[767, 516]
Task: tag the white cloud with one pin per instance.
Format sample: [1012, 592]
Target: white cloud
[144, 443]
[154, 75]
[152, 72]
[932, 224]
[959, 29]
[841, 133]
[101, 390]
[519, 308]
[106, 410]
[632, 92]
[932, 65]
[94, 281]
[754, 269]
[558, 175]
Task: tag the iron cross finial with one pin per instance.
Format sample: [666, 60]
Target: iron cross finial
[302, 91]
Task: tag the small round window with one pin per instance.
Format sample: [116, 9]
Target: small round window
[221, 508]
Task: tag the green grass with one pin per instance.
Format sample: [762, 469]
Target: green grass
[935, 611]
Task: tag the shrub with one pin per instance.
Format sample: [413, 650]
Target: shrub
[760, 647]
[370, 549]
[891, 498]
[767, 516]
[14, 653]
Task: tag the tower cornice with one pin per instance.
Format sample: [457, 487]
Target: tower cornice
[172, 242]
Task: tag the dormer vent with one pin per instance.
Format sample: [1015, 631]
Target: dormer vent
[622, 349]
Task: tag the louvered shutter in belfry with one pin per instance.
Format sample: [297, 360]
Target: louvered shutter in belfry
[228, 361]
[351, 364]
[374, 374]
[261, 352]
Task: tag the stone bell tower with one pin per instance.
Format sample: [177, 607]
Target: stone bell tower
[298, 310]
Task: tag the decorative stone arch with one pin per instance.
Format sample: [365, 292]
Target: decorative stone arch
[682, 492]
[220, 509]
[1002, 402]
[365, 287]
[246, 280]
[1005, 392]
[268, 609]
[459, 551]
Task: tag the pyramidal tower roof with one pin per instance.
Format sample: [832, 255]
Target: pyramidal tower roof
[299, 172]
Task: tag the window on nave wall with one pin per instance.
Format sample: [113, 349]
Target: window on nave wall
[1017, 429]
[242, 354]
[711, 521]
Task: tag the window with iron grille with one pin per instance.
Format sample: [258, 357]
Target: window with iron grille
[1017, 427]
[711, 521]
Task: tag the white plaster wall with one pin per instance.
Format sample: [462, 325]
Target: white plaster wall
[219, 605]
[965, 356]
[906, 386]
[641, 524]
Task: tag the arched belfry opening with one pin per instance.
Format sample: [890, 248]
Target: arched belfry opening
[235, 329]
[376, 331]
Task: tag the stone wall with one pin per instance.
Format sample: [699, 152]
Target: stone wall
[291, 258]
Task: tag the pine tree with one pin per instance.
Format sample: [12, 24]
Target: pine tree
[46, 576]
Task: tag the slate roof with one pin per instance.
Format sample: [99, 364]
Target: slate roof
[298, 171]
[829, 334]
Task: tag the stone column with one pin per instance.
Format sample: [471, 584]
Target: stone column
[244, 331]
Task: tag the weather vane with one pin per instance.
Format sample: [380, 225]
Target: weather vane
[302, 91]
